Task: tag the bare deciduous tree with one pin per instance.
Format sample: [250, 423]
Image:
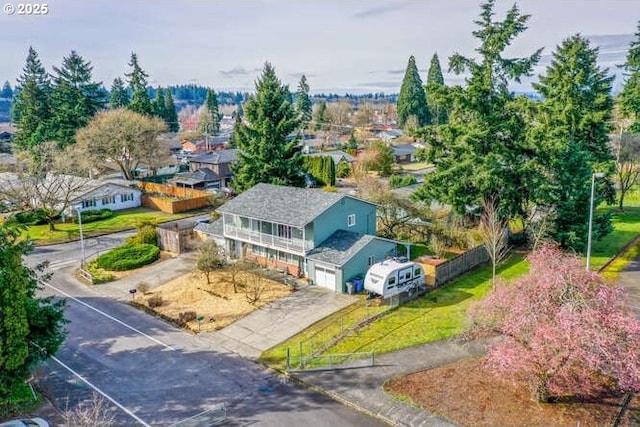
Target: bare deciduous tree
[44, 183]
[493, 231]
[254, 286]
[122, 136]
[539, 226]
[95, 413]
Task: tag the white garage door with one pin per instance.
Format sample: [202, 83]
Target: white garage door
[326, 277]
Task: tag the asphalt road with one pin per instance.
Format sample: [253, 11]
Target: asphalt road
[156, 374]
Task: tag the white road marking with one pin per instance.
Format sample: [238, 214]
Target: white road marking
[59, 264]
[109, 316]
[112, 400]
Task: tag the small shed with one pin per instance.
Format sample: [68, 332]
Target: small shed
[177, 236]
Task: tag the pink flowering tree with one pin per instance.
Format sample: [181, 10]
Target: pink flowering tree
[564, 331]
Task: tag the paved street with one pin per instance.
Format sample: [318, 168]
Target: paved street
[161, 375]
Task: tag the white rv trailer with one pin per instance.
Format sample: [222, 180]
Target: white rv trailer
[392, 277]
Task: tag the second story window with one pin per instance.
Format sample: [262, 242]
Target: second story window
[284, 231]
[351, 220]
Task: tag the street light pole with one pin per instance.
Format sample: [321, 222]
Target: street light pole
[593, 184]
[81, 237]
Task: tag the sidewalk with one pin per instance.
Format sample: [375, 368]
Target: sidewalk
[630, 279]
[362, 387]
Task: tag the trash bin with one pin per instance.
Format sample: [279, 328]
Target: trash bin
[358, 284]
[350, 288]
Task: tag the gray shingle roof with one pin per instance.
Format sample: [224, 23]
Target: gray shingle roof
[285, 205]
[217, 157]
[196, 177]
[336, 155]
[340, 247]
[214, 229]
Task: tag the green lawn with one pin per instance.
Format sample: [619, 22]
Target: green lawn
[415, 166]
[626, 226]
[121, 220]
[439, 314]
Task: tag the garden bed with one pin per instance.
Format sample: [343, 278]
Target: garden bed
[467, 393]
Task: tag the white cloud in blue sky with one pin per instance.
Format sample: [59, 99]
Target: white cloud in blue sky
[341, 45]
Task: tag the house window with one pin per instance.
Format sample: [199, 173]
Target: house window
[417, 272]
[372, 260]
[351, 220]
[127, 197]
[284, 231]
[108, 200]
[91, 203]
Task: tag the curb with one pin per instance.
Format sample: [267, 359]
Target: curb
[341, 399]
[620, 253]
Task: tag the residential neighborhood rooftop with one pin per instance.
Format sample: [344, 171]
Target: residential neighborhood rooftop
[286, 205]
[217, 157]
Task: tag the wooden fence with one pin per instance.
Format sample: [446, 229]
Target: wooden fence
[170, 199]
[464, 262]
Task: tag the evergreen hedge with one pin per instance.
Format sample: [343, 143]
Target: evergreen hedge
[93, 215]
[128, 257]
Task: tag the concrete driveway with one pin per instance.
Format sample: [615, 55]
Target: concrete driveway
[276, 322]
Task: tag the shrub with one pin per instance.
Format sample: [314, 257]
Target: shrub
[397, 181]
[186, 317]
[33, 217]
[155, 301]
[128, 257]
[93, 215]
[344, 170]
[99, 275]
[146, 235]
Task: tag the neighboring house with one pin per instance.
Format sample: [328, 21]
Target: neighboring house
[404, 153]
[201, 179]
[337, 156]
[329, 237]
[101, 195]
[218, 162]
[389, 134]
[193, 146]
[72, 193]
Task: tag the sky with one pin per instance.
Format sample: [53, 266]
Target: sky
[354, 46]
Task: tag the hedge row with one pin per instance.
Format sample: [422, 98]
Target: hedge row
[128, 257]
[321, 168]
[94, 215]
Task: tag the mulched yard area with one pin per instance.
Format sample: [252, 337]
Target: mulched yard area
[468, 394]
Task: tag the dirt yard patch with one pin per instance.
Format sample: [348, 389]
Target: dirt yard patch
[468, 394]
[216, 302]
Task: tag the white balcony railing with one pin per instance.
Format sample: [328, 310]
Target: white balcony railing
[267, 240]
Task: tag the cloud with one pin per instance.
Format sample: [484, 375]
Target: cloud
[377, 11]
[238, 71]
[299, 75]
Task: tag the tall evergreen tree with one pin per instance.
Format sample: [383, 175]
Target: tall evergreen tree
[435, 90]
[140, 101]
[119, 95]
[572, 137]
[319, 115]
[303, 101]
[31, 107]
[211, 102]
[31, 328]
[481, 153]
[412, 100]
[171, 113]
[630, 96]
[75, 97]
[159, 105]
[6, 91]
[267, 152]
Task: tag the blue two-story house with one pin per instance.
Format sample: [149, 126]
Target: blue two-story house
[327, 237]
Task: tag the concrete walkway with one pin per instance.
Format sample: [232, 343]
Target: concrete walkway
[278, 321]
[362, 387]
